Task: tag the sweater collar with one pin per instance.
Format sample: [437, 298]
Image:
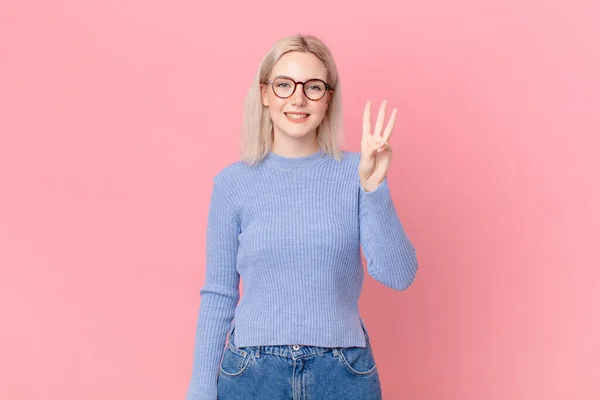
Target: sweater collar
[291, 163]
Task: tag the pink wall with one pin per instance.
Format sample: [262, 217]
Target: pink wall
[115, 116]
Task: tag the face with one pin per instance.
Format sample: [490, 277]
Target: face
[297, 116]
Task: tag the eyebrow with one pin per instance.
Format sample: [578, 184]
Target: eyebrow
[289, 77]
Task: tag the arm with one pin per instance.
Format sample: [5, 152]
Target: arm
[220, 295]
[391, 257]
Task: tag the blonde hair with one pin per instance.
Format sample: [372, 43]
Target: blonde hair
[257, 138]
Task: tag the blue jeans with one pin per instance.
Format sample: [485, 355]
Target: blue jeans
[292, 372]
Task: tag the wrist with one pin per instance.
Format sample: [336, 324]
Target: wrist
[368, 186]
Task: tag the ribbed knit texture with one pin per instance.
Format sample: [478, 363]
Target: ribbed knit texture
[292, 229]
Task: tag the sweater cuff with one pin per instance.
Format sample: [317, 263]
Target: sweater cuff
[377, 196]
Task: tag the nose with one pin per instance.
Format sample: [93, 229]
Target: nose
[298, 97]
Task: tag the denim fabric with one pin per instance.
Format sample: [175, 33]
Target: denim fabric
[291, 372]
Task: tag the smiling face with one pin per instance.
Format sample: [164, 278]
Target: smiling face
[296, 117]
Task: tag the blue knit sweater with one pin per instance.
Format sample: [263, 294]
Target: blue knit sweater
[292, 229]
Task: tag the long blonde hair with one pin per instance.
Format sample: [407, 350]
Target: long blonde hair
[257, 138]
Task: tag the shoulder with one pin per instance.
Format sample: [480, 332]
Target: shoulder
[349, 160]
[351, 157]
[235, 179]
[231, 172]
[345, 169]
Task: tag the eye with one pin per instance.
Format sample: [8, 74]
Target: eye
[316, 88]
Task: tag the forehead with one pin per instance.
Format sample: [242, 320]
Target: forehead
[300, 66]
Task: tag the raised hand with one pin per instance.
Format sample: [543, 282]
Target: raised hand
[376, 152]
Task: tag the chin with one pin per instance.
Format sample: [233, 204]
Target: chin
[297, 134]
[296, 131]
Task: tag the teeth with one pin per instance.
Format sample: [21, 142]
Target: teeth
[297, 116]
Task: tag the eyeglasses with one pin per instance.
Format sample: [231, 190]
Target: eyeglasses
[314, 89]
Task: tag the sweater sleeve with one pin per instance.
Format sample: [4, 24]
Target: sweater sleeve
[390, 255]
[219, 296]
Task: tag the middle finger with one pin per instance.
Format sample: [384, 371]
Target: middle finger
[380, 119]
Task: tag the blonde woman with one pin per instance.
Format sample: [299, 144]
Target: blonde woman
[289, 220]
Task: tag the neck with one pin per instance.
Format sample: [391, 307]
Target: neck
[287, 146]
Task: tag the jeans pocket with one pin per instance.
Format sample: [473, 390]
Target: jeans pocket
[359, 361]
[235, 361]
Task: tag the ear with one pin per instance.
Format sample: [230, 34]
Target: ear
[329, 96]
[264, 97]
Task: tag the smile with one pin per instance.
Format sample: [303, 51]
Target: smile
[297, 116]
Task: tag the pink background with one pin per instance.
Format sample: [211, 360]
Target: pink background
[115, 116]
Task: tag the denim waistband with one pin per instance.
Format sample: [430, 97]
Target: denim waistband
[291, 351]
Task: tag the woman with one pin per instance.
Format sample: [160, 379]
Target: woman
[289, 219]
